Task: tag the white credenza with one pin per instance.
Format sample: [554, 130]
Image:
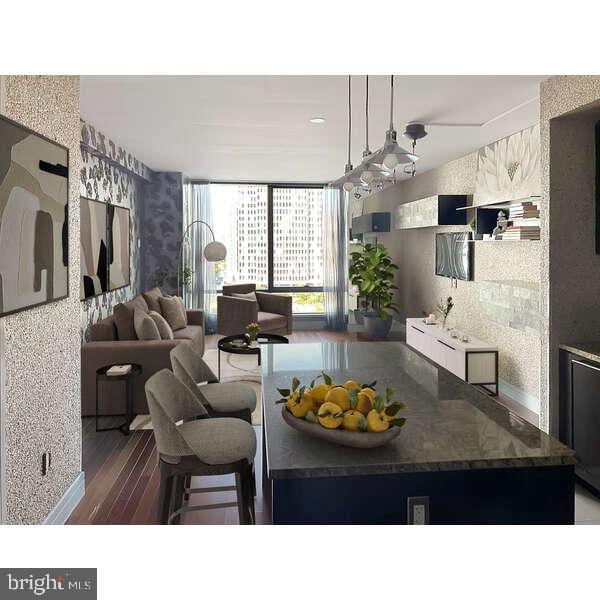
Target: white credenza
[474, 361]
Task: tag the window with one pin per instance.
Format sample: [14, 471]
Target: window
[273, 235]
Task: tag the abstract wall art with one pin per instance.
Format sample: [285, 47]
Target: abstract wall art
[34, 265]
[118, 247]
[93, 248]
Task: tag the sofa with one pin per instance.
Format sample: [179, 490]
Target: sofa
[241, 304]
[106, 348]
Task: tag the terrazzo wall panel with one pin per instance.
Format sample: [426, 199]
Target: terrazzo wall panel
[161, 232]
[111, 174]
[506, 279]
[39, 348]
[570, 268]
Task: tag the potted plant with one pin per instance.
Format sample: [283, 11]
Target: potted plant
[372, 272]
[252, 330]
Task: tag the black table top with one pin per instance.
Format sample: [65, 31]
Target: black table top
[225, 344]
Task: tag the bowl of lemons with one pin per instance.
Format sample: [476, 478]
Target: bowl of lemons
[351, 414]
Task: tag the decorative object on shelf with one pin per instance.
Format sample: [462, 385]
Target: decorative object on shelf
[213, 251]
[252, 330]
[372, 271]
[501, 224]
[430, 319]
[351, 414]
[34, 224]
[444, 308]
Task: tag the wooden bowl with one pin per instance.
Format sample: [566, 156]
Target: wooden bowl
[354, 439]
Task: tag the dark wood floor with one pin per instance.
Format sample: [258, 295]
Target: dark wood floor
[122, 477]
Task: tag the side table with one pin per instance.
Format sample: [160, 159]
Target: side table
[127, 378]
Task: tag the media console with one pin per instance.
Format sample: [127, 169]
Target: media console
[475, 361]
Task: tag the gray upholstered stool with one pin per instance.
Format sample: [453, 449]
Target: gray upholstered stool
[191, 443]
[219, 399]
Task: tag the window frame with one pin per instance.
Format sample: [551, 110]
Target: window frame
[270, 187]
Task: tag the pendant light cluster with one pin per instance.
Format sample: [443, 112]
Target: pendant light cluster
[377, 168]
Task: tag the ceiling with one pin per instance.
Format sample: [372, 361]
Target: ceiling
[256, 128]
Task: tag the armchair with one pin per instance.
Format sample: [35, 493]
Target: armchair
[273, 312]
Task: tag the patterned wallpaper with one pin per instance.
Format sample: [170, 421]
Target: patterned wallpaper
[40, 347]
[161, 233]
[111, 181]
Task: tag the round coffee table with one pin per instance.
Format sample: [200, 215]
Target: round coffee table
[232, 344]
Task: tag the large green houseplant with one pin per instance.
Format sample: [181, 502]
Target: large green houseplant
[372, 272]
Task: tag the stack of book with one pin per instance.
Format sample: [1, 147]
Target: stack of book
[524, 222]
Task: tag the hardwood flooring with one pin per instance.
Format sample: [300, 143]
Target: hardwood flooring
[122, 477]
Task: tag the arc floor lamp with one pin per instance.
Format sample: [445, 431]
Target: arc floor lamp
[213, 251]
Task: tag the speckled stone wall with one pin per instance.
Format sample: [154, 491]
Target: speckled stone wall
[485, 307]
[122, 180]
[39, 353]
[570, 268]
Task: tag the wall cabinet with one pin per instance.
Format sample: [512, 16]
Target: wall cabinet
[474, 361]
[376, 222]
[432, 211]
[580, 414]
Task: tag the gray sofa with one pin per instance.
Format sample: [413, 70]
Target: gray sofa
[272, 312]
[105, 348]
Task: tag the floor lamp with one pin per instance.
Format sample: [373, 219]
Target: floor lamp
[213, 251]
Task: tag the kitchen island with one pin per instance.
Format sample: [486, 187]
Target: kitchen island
[461, 453]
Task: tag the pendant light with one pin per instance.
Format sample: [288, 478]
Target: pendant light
[369, 172]
[392, 154]
[351, 178]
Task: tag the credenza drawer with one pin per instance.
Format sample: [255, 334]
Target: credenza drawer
[418, 339]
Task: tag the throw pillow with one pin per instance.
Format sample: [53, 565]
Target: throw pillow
[144, 325]
[172, 310]
[151, 299]
[248, 296]
[166, 333]
[123, 314]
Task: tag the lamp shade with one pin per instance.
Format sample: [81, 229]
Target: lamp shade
[215, 251]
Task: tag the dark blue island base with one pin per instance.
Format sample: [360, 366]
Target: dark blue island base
[519, 496]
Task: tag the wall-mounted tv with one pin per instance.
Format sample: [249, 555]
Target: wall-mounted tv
[453, 255]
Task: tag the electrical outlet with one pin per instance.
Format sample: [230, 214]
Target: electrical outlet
[418, 510]
[46, 460]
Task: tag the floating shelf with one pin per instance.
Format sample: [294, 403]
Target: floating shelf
[500, 204]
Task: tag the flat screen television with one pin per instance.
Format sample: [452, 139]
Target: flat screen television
[453, 255]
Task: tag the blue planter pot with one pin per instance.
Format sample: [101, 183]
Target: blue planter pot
[376, 326]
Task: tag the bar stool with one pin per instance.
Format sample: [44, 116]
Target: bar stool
[220, 399]
[190, 443]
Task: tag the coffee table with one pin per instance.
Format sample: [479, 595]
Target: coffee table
[230, 344]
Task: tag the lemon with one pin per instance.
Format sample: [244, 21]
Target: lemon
[354, 421]
[376, 422]
[365, 402]
[319, 392]
[330, 415]
[370, 391]
[339, 395]
[351, 385]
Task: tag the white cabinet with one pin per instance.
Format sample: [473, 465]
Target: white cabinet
[474, 361]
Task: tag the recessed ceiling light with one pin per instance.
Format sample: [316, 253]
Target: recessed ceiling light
[317, 120]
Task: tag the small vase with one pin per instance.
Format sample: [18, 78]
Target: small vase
[253, 344]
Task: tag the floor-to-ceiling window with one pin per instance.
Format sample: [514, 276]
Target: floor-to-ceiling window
[273, 235]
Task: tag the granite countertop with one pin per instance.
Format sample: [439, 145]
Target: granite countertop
[589, 350]
[450, 424]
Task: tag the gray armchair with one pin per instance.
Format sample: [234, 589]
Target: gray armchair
[272, 312]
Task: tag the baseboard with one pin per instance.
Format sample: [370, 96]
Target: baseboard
[518, 395]
[70, 499]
